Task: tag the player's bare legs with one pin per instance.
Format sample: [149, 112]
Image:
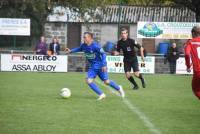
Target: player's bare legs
[95, 88]
[115, 86]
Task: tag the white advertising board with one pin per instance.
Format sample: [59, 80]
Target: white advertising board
[181, 67]
[165, 30]
[116, 65]
[12, 26]
[35, 63]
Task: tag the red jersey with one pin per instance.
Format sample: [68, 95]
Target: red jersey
[192, 50]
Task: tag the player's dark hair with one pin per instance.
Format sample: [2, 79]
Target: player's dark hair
[124, 29]
[89, 33]
[195, 31]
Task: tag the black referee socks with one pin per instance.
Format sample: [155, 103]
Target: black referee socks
[131, 79]
[140, 76]
[142, 80]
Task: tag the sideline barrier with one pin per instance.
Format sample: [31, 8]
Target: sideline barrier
[77, 63]
[35, 63]
[116, 65]
[181, 67]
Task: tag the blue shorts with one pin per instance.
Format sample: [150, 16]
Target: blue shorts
[92, 73]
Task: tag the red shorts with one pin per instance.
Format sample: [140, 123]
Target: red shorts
[196, 85]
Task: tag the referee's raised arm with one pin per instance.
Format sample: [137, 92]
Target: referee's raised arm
[142, 53]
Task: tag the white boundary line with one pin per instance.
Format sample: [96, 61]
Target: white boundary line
[135, 110]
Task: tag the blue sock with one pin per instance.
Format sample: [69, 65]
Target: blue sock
[114, 85]
[95, 88]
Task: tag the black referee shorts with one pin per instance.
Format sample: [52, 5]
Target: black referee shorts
[131, 64]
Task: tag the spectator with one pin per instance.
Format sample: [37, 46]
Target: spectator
[172, 56]
[54, 47]
[41, 47]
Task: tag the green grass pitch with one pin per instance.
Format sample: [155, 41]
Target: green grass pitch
[30, 104]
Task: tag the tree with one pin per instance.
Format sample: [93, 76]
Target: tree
[193, 5]
[38, 10]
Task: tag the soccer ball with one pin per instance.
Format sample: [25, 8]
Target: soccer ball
[65, 93]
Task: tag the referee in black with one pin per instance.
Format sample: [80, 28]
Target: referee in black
[127, 45]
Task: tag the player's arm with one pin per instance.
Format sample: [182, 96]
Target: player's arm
[103, 55]
[187, 56]
[74, 50]
[103, 58]
[104, 68]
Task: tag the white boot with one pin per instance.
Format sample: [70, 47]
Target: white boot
[121, 92]
[101, 97]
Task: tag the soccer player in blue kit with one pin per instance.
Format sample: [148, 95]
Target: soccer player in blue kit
[98, 65]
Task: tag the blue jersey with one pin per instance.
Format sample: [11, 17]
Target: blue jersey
[93, 53]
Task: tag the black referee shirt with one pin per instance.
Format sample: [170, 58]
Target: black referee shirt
[128, 49]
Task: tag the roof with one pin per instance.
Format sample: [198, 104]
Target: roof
[128, 14]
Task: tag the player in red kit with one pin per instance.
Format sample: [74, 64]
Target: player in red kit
[192, 50]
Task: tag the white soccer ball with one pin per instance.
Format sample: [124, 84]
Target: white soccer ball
[65, 93]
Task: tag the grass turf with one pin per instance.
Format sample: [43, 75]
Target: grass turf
[30, 104]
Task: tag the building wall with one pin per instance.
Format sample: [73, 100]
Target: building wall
[102, 32]
[56, 30]
[73, 35]
[109, 33]
[94, 28]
